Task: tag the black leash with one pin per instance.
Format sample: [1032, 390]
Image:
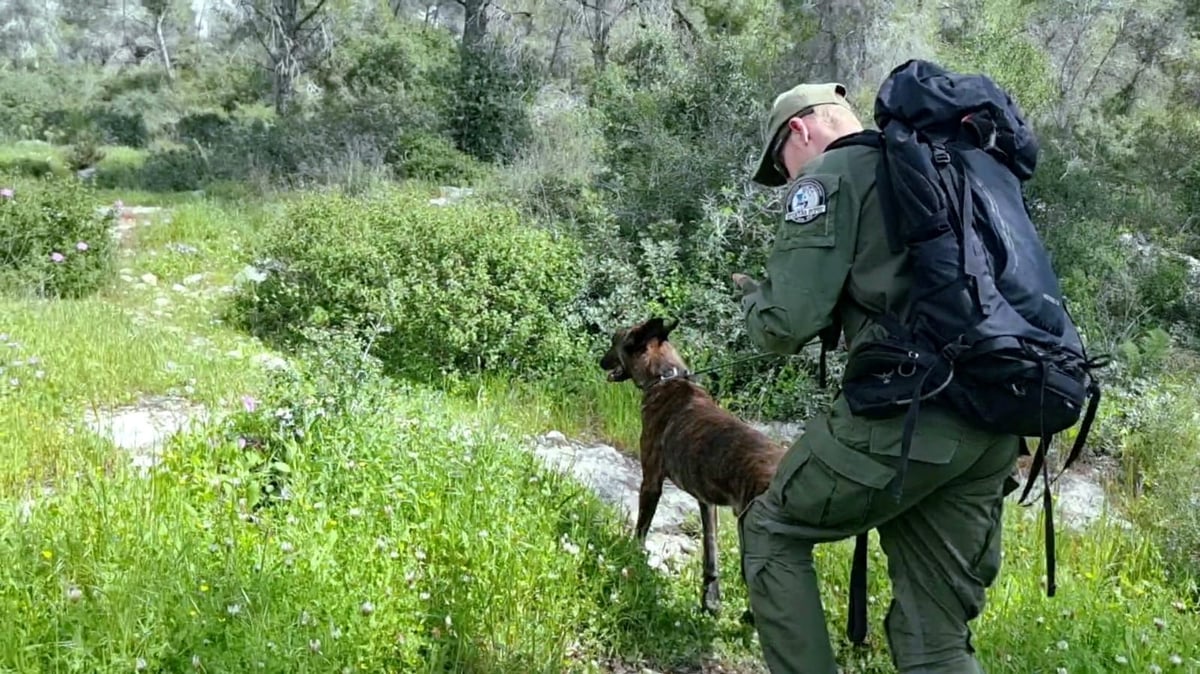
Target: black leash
[731, 363]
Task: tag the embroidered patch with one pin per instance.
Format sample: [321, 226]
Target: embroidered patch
[807, 202]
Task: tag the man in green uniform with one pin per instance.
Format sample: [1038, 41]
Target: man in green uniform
[831, 266]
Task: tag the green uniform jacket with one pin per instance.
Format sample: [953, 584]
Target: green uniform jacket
[832, 241]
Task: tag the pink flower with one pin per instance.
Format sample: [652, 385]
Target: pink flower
[81, 246]
[6, 193]
[56, 257]
[249, 403]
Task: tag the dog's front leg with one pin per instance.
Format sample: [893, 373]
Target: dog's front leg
[652, 481]
[710, 598]
[653, 475]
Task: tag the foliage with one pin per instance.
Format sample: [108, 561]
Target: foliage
[53, 242]
[458, 289]
[605, 190]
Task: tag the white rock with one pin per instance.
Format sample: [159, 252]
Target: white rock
[616, 479]
[142, 428]
[149, 279]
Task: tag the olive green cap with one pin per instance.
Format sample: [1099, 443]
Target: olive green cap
[790, 103]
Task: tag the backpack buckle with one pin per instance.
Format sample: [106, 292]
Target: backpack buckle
[940, 156]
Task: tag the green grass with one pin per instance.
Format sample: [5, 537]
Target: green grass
[421, 503]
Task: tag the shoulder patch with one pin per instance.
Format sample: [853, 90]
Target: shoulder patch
[806, 202]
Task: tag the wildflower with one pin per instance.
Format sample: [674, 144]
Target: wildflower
[74, 594]
[286, 547]
[1175, 660]
[141, 664]
[196, 661]
[1122, 660]
[6, 193]
[249, 403]
[367, 608]
[81, 246]
[1160, 624]
[57, 257]
[568, 546]
[233, 609]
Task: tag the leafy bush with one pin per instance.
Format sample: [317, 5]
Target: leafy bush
[458, 289]
[424, 156]
[53, 241]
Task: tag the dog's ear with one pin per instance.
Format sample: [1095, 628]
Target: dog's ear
[657, 327]
[669, 327]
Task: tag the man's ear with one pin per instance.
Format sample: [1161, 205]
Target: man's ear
[798, 125]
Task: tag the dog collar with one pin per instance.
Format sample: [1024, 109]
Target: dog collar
[673, 373]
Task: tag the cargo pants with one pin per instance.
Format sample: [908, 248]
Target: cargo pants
[942, 540]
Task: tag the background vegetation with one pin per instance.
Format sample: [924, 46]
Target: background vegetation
[439, 211]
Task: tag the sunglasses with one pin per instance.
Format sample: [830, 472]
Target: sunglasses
[781, 137]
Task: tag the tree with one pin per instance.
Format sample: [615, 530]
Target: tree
[295, 37]
[159, 9]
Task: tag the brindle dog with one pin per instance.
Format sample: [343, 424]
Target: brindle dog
[705, 451]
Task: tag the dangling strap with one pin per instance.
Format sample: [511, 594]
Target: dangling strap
[1040, 465]
[1051, 585]
[910, 427]
[856, 617]
[856, 620]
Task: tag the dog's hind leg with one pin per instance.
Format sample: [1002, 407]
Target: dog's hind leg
[710, 598]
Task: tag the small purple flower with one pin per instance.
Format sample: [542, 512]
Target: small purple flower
[249, 403]
[6, 193]
[81, 246]
[56, 257]
[118, 204]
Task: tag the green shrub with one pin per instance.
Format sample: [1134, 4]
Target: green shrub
[1160, 442]
[53, 240]
[121, 167]
[173, 169]
[467, 288]
[425, 156]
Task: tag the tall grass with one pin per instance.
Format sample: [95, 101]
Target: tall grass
[336, 520]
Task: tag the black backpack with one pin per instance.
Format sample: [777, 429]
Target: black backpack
[988, 333]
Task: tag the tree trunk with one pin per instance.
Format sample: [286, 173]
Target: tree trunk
[474, 23]
[162, 46]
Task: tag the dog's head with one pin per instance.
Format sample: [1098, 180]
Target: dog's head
[641, 352]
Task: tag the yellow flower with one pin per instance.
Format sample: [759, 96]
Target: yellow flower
[48, 554]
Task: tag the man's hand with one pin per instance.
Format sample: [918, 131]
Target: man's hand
[746, 284]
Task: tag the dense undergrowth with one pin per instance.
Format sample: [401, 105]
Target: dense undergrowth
[375, 507]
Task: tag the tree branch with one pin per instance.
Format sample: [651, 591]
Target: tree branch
[308, 17]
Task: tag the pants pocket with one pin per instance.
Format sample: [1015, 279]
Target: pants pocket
[835, 486]
[986, 565]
